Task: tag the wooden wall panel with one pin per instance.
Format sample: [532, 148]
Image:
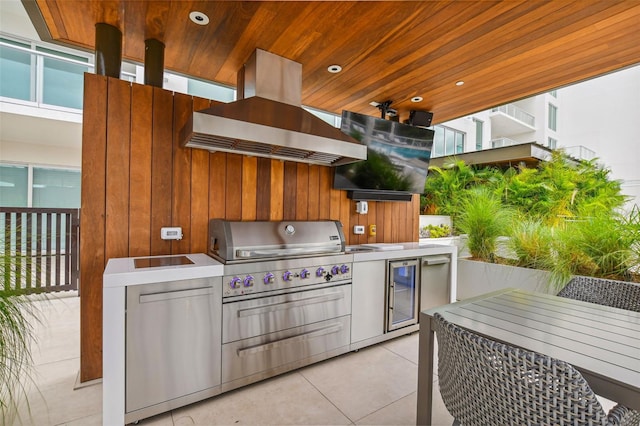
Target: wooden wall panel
[117, 168]
[138, 178]
[277, 190]
[302, 192]
[140, 171]
[217, 185]
[92, 217]
[234, 188]
[249, 187]
[263, 189]
[161, 166]
[181, 183]
[290, 188]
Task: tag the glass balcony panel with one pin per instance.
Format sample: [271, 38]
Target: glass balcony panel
[13, 186]
[56, 188]
[15, 68]
[210, 91]
[63, 81]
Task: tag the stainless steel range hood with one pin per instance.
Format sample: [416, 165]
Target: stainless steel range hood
[268, 121]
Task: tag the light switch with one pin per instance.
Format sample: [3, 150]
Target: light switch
[358, 229]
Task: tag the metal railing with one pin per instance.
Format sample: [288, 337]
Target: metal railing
[500, 142]
[580, 152]
[39, 250]
[514, 112]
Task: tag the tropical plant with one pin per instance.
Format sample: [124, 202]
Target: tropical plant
[17, 317]
[483, 219]
[531, 242]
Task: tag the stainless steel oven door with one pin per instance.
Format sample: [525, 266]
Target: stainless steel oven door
[255, 317]
[402, 293]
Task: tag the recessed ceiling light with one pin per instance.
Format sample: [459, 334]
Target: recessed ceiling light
[459, 83]
[334, 69]
[416, 99]
[199, 18]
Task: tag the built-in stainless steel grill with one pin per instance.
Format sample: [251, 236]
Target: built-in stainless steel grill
[286, 295]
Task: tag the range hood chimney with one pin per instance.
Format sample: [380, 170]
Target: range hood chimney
[267, 120]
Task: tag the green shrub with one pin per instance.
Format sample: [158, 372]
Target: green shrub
[483, 219]
[531, 241]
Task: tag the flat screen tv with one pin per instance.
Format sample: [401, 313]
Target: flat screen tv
[397, 159]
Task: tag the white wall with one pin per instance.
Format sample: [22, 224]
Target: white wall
[603, 115]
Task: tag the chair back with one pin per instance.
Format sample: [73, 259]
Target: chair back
[617, 294]
[484, 382]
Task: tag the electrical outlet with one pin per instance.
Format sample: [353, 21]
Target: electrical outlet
[372, 230]
[171, 233]
[358, 230]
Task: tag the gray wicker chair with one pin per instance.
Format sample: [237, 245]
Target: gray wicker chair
[618, 294]
[483, 382]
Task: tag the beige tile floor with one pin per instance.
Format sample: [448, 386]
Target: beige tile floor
[374, 386]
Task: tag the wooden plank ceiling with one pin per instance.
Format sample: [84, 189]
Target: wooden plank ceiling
[502, 50]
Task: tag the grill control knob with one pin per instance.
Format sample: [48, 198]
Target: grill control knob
[320, 272]
[335, 270]
[235, 282]
[287, 276]
[268, 278]
[304, 273]
[248, 281]
[344, 269]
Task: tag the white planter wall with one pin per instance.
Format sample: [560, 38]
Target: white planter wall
[476, 278]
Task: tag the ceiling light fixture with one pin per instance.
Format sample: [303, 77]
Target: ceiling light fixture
[416, 99]
[334, 69]
[459, 83]
[199, 18]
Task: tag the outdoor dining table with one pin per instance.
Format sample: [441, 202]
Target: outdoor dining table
[601, 342]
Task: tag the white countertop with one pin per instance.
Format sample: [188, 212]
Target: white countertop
[400, 250]
[122, 272]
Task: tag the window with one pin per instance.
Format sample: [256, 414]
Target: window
[62, 81]
[50, 187]
[479, 129]
[553, 117]
[14, 186]
[553, 143]
[447, 141]
[210, 91]
[34, 73]
[15, 68]
[554, 93]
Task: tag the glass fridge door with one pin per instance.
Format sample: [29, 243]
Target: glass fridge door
[403, 294]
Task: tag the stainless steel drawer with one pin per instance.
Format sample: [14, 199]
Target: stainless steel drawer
[250, 318]
[260, 354]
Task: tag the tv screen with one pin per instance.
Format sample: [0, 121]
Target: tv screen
[397, 155]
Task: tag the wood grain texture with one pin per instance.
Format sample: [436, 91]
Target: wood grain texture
[276, 210]
[249, 188]
[136, 176]
[92, 225]
[263, 189]
[117, 168]
[161, 168]
[181, 179]
[140, 171]
[290, 191]
[503, 50]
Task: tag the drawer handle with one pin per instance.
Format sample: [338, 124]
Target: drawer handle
[168, 295]
[289, 305]
[441, 260]
[330, 329]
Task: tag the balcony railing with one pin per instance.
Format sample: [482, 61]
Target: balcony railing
[500, 142]
[514, 112]
[580, 152]
[39, 249]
